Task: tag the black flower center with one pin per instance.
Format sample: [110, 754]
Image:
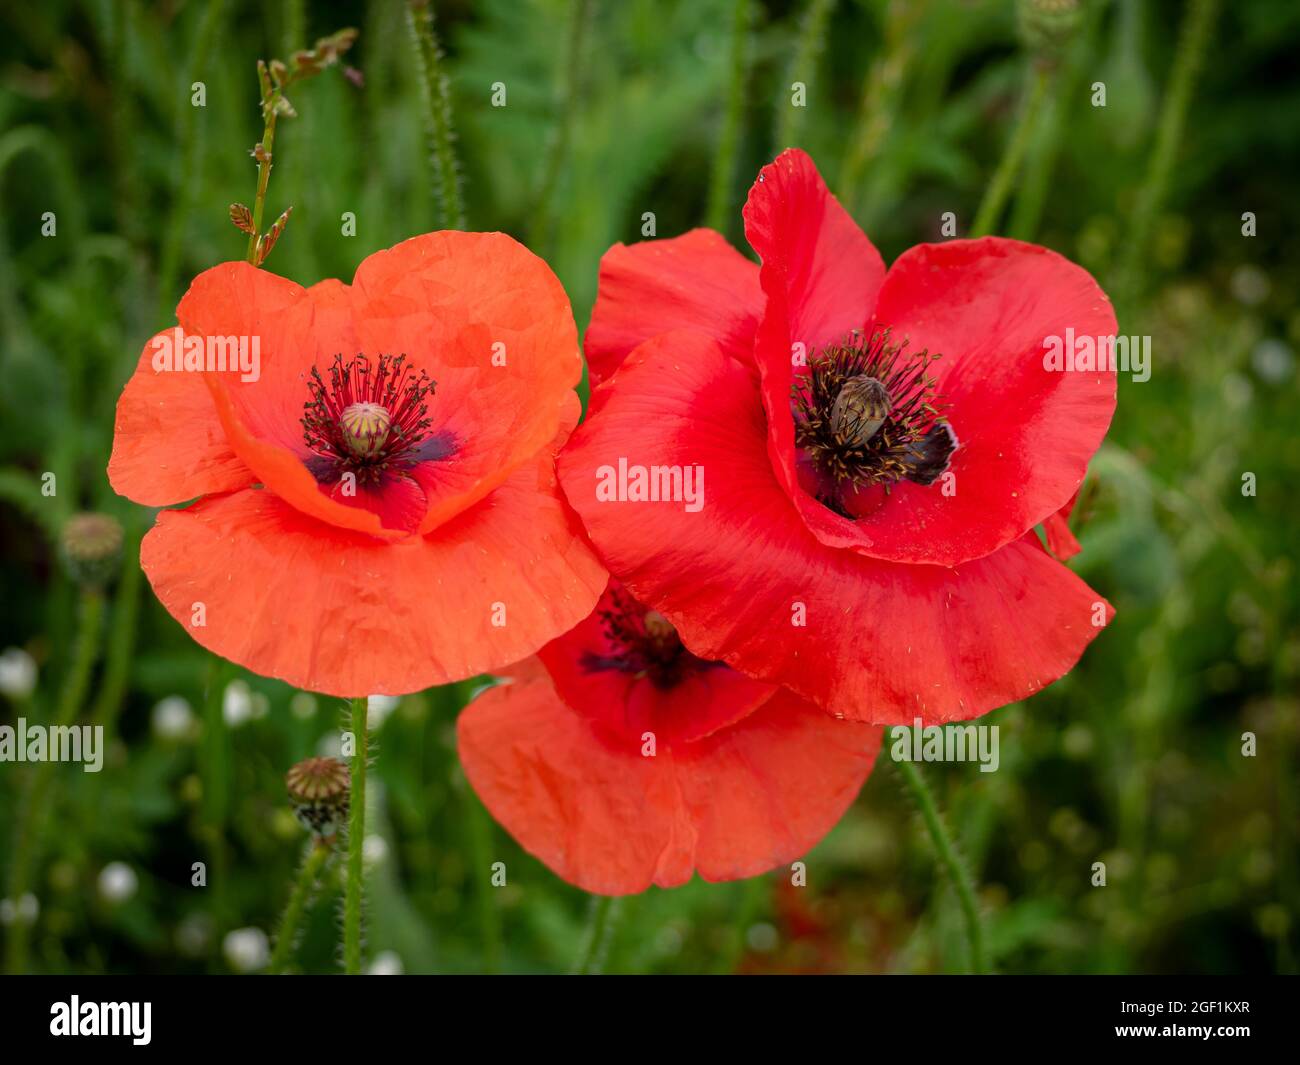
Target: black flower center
[867, 413]
[643, 642]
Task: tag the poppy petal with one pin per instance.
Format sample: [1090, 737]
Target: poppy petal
[744, 580]
[1025, 432]
[261, 417]
[1060, 540]
[821, 276]
[480, 314]
[603, 816]
[696, 281]
[493, 325]
[168, 444]
[344, 614]
[817, 264]
[589, 671]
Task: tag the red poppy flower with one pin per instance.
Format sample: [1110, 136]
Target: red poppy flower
[621, 760]
[879, 447]
[377, 509]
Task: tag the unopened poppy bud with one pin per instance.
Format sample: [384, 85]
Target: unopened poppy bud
[92, 548]
[859, 410]
[318, 789]
[1047, 26]
[365, 428]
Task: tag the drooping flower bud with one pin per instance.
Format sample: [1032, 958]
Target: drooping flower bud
[92, 549]
[318, 789]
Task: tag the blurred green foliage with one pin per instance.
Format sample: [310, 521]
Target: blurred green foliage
[1134, 759]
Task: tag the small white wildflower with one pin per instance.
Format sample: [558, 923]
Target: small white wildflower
[17, 673]
[374, 850]
[25, 909]
[117, 882]
[387, 963]
[246, 949]
[173, 719]
[237, 703]
[378, 707]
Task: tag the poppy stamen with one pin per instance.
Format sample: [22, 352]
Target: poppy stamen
[644, 643]
[367, 418]
[867, 412]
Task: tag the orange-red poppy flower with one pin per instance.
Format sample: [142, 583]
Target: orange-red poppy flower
[622, 760]
[868, 537]
[373, 465]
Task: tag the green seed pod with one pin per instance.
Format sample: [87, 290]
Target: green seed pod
[91, 545]
[1047, 26]
[318, 789]
[859, 410]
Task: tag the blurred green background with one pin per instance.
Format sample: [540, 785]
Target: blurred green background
[615, 108]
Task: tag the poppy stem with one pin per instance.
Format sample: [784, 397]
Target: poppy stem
[264, 146]
[951, 859]
[882, 92]
[121, 639]
[303, 888]
[356, 842]
[435, 95]
[557, 150]
[999, 189]
[594, 951]
[720, 207]
[809, 45]
[36, 801]
[1193, 40]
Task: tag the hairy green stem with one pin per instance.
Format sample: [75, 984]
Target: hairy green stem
[1188, 61]
[356, 841]
[121, 641]
[719, 210]
[803, 66]
[303, 888]
[478, 829]
[999, 188]
[882, 92]
[36, 801]
[1049, 138]
[435, 96]
[214, 767]
[594, 950]
[950, 858]
[558, 149]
